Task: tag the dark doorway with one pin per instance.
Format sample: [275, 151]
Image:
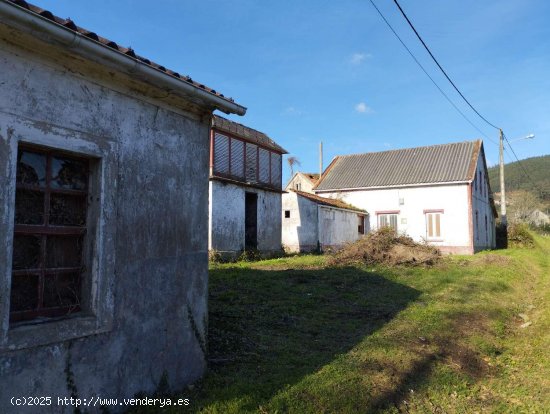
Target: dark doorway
[251, 221]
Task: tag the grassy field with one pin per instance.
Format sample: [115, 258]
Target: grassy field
[469, 335]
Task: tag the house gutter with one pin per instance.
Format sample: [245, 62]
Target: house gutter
[37, 25]
[383, 187]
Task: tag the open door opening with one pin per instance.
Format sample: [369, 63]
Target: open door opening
[251, 221]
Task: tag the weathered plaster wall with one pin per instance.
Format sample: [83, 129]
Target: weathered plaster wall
[157, 233]
[299, 231]
[312, 226]
[337, 227]
[484, 236]
[452, 199]
[227, 218]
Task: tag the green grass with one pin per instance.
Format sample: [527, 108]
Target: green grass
[289, 335]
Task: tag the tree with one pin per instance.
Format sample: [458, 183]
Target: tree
[292, 161]
[521, 205]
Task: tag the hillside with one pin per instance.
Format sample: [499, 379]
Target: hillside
[538, 169]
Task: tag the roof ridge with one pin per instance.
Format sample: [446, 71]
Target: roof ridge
[410, 148]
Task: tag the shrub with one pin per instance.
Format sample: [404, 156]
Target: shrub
[520, 236]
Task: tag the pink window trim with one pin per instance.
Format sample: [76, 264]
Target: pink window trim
[434, 211]
[388, 212]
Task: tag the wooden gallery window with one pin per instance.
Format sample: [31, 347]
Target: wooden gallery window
[50, 224]
[433, 225]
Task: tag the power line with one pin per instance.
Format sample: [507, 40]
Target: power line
[441, 68]
[428, 75]
[522, 167]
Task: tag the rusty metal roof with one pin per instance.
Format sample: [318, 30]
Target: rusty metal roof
[422, 165]
[332, 202]
[246, 133]
[69, 24]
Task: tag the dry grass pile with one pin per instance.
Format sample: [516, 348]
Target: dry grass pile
[386, 247]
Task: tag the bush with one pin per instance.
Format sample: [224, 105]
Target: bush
[385, 246]
[520, 236]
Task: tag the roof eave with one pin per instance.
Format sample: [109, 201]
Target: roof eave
[32, 23]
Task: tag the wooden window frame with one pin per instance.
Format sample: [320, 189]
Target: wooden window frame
[47, 231]
[432, 226]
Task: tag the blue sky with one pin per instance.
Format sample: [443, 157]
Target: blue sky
[315, 70]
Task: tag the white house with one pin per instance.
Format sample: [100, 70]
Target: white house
[439, 193]
[304, 182]
[313, 223]
[245, 189]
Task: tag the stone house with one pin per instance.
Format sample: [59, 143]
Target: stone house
[245, 190]
[439, 194]
[104, 214]
[314, 223]
[304, 182]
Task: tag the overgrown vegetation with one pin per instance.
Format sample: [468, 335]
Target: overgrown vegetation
[520, 236]
[385, 247]
[292, 335]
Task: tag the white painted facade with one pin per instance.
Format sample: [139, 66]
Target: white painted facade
[226, 223]
[457, 205]
[308, 225]
[301, 182]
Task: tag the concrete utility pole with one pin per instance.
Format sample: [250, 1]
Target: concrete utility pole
[502, 189]
[320, 159]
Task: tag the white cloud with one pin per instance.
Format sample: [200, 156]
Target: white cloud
[291, 111]
[358, 58]
[363, 108]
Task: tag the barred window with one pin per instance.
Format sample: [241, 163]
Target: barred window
[50, 226]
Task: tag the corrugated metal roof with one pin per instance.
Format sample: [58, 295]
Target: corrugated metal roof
[332, 202]
[246, 133]
[421, 165]
[69, 24]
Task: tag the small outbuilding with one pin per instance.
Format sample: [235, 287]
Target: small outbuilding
[245, 190]
[103, 216]
[313, 223]
[302, 181]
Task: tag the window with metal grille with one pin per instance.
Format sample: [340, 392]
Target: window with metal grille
[221, 154]
[433, 226]
[251, 163]
[49, 231]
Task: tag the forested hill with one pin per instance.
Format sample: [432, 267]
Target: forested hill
[538, 169]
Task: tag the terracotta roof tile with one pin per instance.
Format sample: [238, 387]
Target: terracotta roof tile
[332, 202]
[69, 24]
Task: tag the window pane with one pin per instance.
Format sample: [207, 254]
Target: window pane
[61, 290]
[437, 225]
[31, 169]
[63, 251]
[264, 165]
[26, 252]
[29, 207]
[393, 221]
[237, 158]
[24, 293]
[430, 225]
[221, 154]
[383, 219]
[251, 162]
[69, 174]
[275, 169]
[67, 210]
